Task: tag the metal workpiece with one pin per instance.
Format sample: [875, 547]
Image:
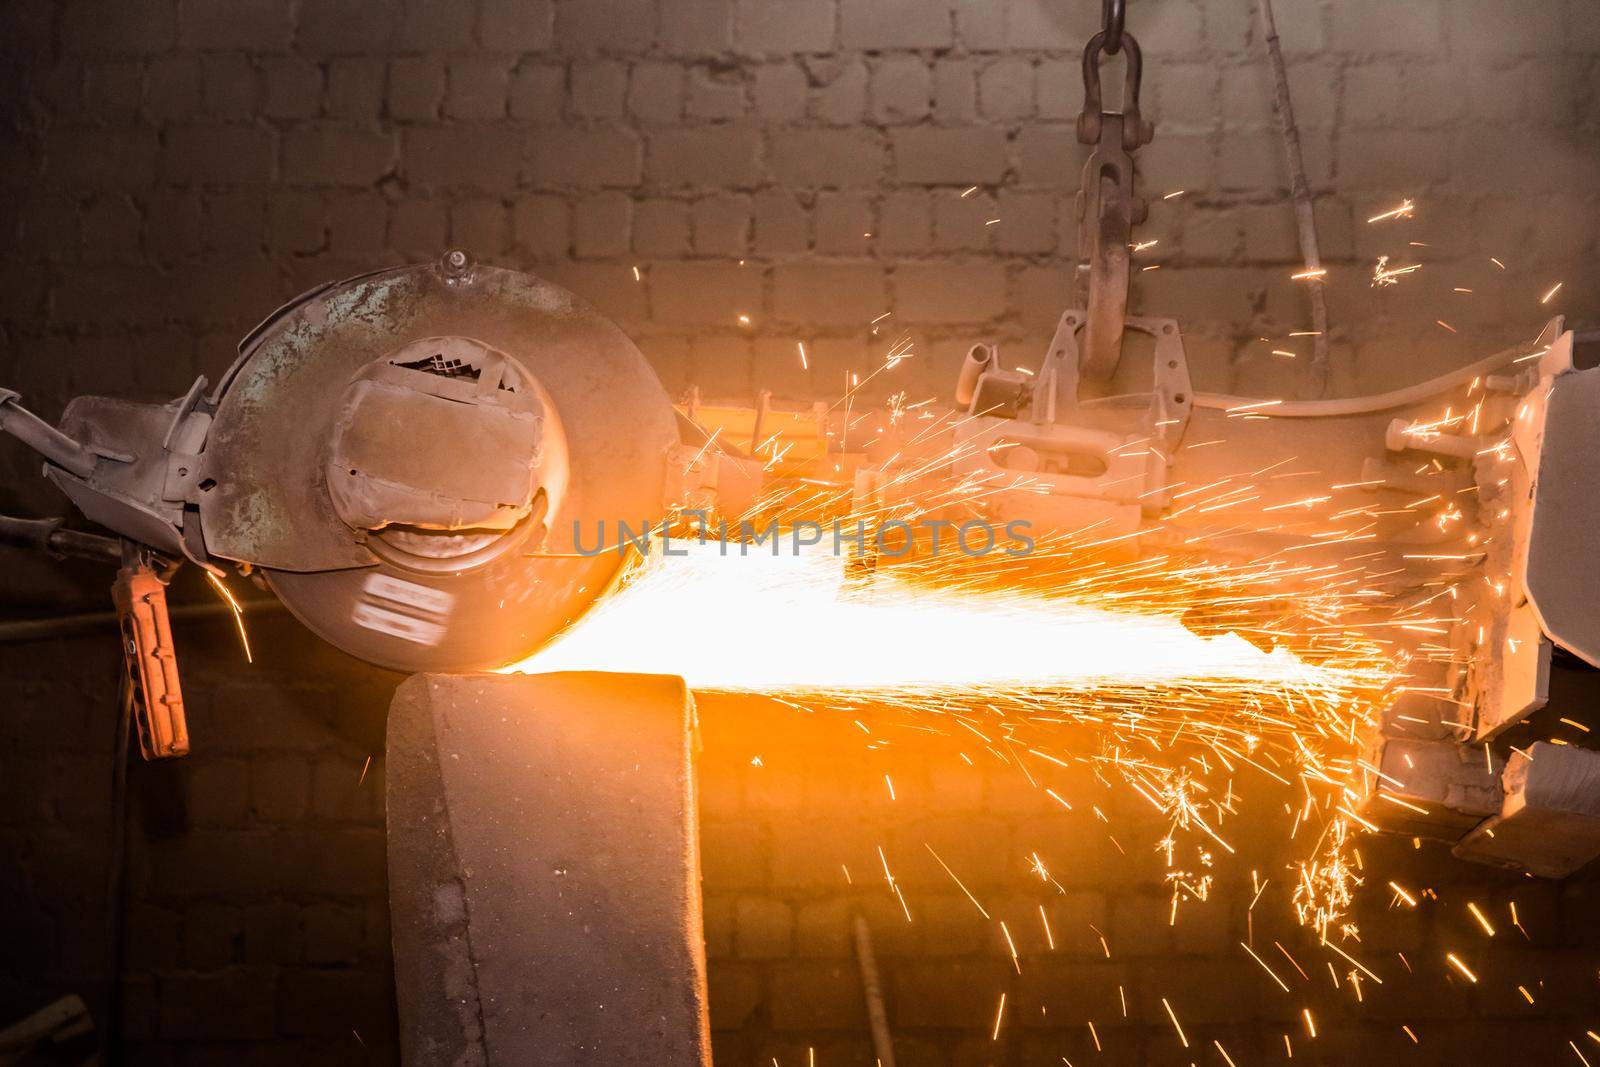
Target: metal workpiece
[1424, 788]
[1548, 821]
[544, 872]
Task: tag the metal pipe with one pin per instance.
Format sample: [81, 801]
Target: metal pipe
[20, 630]
[43, 438]
[979, 358]
[1300, 189]
[47, 535]
[877, 1017]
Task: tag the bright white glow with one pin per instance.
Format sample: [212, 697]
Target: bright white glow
[793, 623]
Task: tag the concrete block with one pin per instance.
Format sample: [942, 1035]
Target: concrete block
[655, 92]
[955, 91]
[941, 293]
[542, 226]
[829, 294]
[906, 222]
[928, 156]
[715, 96]
[844, 224]
[588, 159]
[544, 870]
[538, 93]
[251, 25]
[416, 88]
[598, 89]
[348, 27]
[885, 24]
[1457, 786]
[440, 25]
[470, 157]
[780, 92]
[781, 223]
[902, 89]
[704, 293]
[478, 88]
[605, 25]
[839, 95]
[826, 158]
[355, 89]
[516, 25]
[721, 225]
[1549, 821]
[600, 225]
[336, 156]
[1005, 89]
[695, 27]
[661, 228]
[706, 155]
[785, 27]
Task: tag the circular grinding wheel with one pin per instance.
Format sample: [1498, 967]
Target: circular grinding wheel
[417, 593]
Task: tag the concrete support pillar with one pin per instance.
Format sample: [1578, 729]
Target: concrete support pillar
[544, 871]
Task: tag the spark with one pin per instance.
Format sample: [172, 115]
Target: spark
[1270, 972]
[1483, 920]
[636, 275]
[1174, 195]
[1033, 642]
[1012, 945]
[1306, 275]
[804, 363]
[1545, 299]
[957, 881]
[999, 1017]
[1402, 212]
[968, 191]
[1455, 961]
[1446, 325]
[1383, 274]
[238, 612]
[1175, 1024]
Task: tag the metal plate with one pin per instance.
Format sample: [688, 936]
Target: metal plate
[1562, 581]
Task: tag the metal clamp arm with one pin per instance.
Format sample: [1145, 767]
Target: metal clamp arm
[49, 442]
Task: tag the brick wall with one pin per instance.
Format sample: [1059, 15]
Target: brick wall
[171, 169]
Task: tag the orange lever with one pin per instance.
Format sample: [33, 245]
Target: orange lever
[152, 662]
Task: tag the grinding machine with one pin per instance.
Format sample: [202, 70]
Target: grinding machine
[406, 458]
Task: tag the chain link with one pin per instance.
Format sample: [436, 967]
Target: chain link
[1113, 13]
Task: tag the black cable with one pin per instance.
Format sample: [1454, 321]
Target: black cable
[116, 876]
